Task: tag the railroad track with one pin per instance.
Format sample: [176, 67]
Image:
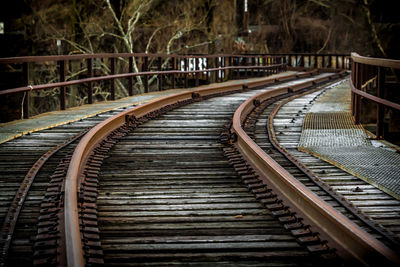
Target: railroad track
[381, 209]
[187, 228]
[168, 195]
[162, 184]
[276, 127]
[30, 166]
[26, 166]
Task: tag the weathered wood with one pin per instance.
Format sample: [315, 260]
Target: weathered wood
[167, 187]
[16, 158]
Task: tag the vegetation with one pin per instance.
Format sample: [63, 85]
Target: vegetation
[207, 26]
[196, 26]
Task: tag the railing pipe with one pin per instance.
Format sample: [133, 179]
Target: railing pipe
[366, 70]
[224, 68]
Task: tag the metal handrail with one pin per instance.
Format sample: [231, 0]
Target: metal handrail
[364, 70]
[178, 66]
[126, 75]
[381, 62]
[225, 66]
[376, 99]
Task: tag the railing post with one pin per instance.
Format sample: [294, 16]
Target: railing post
[342, 59]
[357, 101]
[337, 62]
[130, 86]
[160, 82]
[25, 71]
[112, 80]
[173, 74]
[252, 60]
[226, 63]
[208, 72]
[230, 76]
[323, 61]
[186, 61]
[145, 68]
[234, 70]
[263, 64]
[196, 74]
[216, 72]
[380, 108]
[246, 74]
[353, 76]
[61, 65]
[89, 63]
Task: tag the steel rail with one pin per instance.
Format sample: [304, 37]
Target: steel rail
[355, 211]
[10, 221]
[125, 75]
[73, 242]
[352, 242]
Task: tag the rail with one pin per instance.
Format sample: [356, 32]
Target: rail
[349, 239]
[368, 83]
[171, 71]
[82, 152]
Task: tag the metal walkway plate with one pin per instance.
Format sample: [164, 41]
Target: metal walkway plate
[330, 134]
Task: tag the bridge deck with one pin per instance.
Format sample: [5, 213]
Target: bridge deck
[155, 143]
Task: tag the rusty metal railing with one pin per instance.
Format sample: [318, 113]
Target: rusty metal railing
[320, 61]
[369, 83]
[171, 71]
[177, 68]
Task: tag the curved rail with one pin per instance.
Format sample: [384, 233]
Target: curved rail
[351, 241]
[82, 152]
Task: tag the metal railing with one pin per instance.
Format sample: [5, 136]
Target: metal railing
[320, 61]
[169, 71]
[369, 82]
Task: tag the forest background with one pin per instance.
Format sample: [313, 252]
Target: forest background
[47, 27]
[50, 27]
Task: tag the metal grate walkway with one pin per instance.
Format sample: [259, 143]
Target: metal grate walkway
[330, 134]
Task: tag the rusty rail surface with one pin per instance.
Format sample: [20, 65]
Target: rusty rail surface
[369, 75]
[82, 152]
[349, 239]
